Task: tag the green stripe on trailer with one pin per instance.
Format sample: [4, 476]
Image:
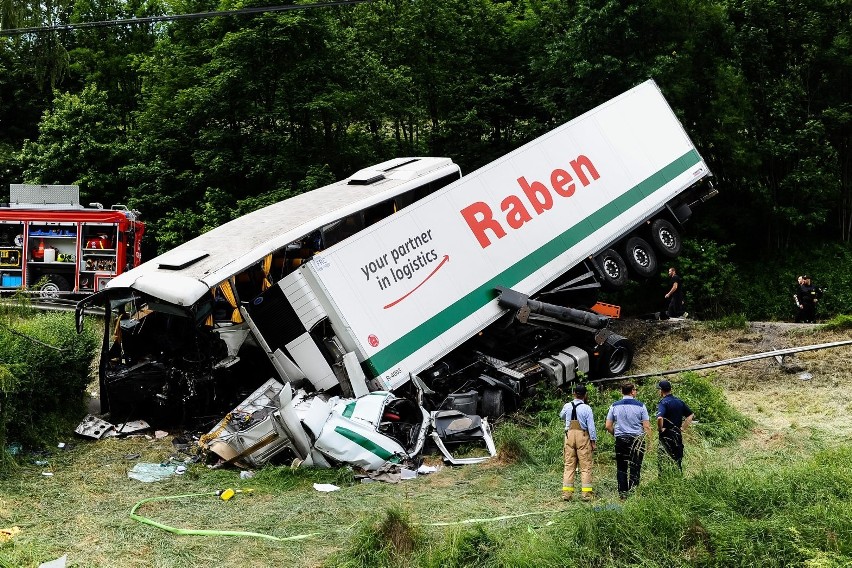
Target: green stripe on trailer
[403, 347]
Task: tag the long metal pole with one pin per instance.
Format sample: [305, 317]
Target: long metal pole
[733, 361]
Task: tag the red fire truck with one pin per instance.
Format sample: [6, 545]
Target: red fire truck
[52, 245]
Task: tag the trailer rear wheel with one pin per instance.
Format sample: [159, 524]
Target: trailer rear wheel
[641, 258]
[493, 403]
[666, 238]
[613, 267]
[52, 285]
[616, 355]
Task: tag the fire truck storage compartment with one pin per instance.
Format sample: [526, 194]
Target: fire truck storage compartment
[52, 248]
[98, 255]
[11, 253]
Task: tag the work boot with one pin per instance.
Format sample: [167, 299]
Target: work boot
[567, 495]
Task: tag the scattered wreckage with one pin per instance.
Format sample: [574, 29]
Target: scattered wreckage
[397, 308]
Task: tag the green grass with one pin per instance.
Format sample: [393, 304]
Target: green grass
[765, 506]
[837, 323]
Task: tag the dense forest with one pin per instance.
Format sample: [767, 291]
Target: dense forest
[196, 121]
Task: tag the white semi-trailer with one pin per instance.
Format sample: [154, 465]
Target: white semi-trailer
[407, 277]
[405, 292]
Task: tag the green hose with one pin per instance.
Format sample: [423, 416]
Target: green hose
[203, 532]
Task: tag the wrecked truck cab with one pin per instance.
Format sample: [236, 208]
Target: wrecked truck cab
[277, 421]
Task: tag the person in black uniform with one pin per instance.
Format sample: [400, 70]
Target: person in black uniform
[807, 297]
[675, 295]
[673, 417]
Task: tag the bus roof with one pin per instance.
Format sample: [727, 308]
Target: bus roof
[235, 246]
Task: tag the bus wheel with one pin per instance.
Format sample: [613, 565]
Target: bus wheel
[617, 355]
[666, 238]
[613, 267]
[52, 285]
[641, 257]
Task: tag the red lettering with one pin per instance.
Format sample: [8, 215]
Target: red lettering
[538, 195]
[516, 213]
[561, 182]
[479, 218]
[578, 164]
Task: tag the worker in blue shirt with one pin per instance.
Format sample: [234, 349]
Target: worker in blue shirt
[673, 417]
[580, 441]
[628, 420]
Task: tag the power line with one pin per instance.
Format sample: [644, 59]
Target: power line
[175, 17]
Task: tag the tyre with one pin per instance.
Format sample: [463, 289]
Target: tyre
[616, 356]
[52, 285]
[640, 257]
[493, 402]
[613, 268]
[666, 238]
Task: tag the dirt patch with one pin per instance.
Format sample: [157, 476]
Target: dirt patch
[805, 391]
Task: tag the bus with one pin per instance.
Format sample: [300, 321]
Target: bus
[175, 338]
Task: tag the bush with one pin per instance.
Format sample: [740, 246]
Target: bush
[839, 322]
[387, 541]
[732, 321]
[717, 421]
[44, 390]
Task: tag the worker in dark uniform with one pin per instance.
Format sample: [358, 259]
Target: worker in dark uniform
[627, 420]
[807, 297]
[675, 295]
[673, 417]
[580, 441]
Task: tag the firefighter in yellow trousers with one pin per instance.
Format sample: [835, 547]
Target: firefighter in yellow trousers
[580, 442]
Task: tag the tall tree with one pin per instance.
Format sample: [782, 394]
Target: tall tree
[780, 49]
[80, 141]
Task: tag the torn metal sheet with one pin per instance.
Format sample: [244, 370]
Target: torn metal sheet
[129, 428]
[94, 427]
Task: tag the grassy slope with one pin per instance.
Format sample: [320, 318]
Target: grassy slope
[776, 497]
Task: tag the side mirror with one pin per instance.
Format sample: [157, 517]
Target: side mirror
[79, 313]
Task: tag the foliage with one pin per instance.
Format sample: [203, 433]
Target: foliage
[717, 422]
[80, 141]
[730, 321]
[708, 277]
[838, 322]
[45, 375]
[764, 290]
[195, 122]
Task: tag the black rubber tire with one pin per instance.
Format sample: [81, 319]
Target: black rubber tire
[493, 402]
[616, 356]
[640, 257]
[52, 285]
[666, 238]
[613, 267]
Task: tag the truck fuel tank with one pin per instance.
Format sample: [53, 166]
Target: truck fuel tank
[562, 367]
